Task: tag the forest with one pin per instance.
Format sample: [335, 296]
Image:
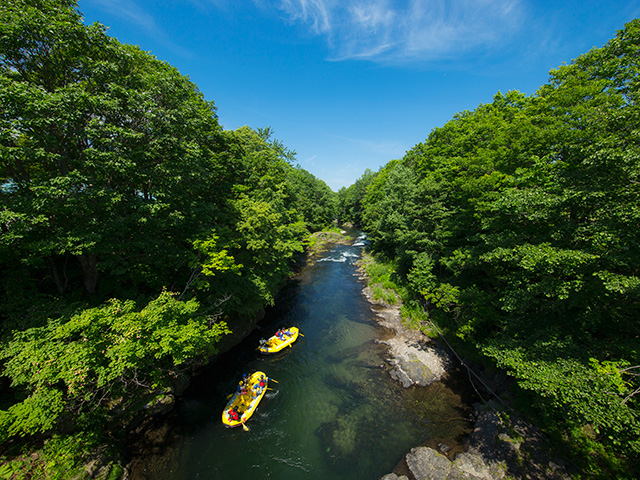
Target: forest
[137, 233]
[514, 229]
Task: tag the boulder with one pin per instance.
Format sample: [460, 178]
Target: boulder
[415, 363]
[426, 463]
[499, 446]
[160, 405]
[393, 476]
[179, 383]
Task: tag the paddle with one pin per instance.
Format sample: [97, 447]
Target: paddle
[273, 380]
[244, 427]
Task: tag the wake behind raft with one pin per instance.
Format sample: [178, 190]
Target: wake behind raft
[245, 400]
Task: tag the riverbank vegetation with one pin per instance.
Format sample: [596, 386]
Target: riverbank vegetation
[135, 231]
[514, 227]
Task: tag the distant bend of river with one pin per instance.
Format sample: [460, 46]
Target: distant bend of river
[335, 412]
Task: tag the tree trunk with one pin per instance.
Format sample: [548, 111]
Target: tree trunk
[89, 263]
[54, 274]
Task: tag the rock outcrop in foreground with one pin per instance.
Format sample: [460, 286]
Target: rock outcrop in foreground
[500, 446]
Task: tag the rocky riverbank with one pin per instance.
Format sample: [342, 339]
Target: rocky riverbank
[500, 445]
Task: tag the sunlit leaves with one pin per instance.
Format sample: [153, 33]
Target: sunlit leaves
[215, 260]
[117, 181]
[101, 354]
[37, 413]
[582, 390]
[517, 226]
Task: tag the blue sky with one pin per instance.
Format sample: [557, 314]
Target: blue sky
[352, 84]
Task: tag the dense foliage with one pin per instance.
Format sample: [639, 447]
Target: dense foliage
[117, 187]
[349, 200]
[516, 226]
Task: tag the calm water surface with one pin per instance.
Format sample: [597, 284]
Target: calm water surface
[334, 414]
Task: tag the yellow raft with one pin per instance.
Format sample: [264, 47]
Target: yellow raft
[275, 344]
[245, 400]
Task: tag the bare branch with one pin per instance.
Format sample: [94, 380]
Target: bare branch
[195, 273]
[631, 395]
[629, 368]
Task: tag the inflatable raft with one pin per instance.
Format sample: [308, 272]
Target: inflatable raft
[245, 400]
[278, 342]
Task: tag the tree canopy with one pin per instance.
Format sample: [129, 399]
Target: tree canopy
[135, 230]
[515, 225]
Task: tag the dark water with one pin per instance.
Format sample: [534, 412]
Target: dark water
[334, 414]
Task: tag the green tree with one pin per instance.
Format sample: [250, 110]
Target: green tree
[99, 364]
[116, 184]
[103, 148]
[264, 229]
[515, 224]
[350, 199]
[312, 198]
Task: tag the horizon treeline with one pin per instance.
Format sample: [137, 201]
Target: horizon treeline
[135, 230]
[515, 228]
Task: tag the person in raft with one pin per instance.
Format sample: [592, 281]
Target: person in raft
[243, 384]
[259, 386]
[233, 414]
[256, 391]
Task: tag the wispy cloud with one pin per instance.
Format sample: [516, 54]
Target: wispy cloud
[142, 19]
[396, 31]
[130, 12]
[317, 13]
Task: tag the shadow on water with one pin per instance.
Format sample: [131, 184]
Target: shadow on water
[335, 411]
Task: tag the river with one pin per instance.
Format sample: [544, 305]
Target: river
[334, 413]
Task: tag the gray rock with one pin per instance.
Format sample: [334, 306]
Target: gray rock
[393, 476]
[426, 463]
[160, 405]
[473, 467]
[444, 448]
[180, 383]
[415, 363]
